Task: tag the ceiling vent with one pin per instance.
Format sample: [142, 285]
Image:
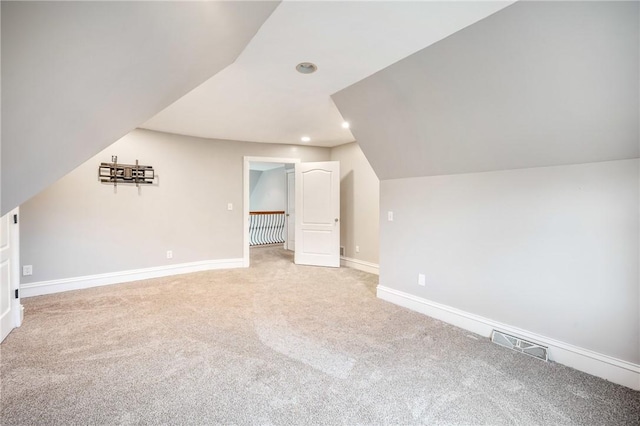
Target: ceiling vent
[520, 345]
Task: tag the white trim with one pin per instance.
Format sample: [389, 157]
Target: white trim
[245, 197]
[77, 283]
[360, 265]
[597, 364]
[14, 235]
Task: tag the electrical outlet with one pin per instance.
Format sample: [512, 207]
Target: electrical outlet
[422, 280]
[390, 216]
[27, 270]
[230, 206]
[357, 249]
[169, 254]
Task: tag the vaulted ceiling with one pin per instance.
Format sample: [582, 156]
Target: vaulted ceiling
[261, 97]
[77, 76]
[429, 87]
[536, 84]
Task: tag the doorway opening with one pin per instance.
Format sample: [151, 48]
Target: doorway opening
[313, 223]
[269, 203]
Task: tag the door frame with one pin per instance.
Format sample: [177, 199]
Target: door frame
[246, 197]
[17, 308]
[287, 174]
[16, 311]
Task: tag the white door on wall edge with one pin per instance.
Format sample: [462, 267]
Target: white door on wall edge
[317, 224]
[10, 312]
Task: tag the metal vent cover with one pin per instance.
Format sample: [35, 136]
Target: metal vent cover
[520, 345]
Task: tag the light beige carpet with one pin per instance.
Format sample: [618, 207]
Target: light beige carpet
[276, 344]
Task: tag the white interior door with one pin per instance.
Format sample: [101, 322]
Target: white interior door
[10, 314]
[290, 240]
[317, 230]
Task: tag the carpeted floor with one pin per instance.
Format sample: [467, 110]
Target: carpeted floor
[276, 344]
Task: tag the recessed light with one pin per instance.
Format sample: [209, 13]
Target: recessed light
[345, 124]
[306, 67]
[305, 139]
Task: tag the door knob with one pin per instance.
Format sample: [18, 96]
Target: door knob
[336, 220]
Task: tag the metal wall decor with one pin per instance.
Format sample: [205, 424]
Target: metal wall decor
[125, 173]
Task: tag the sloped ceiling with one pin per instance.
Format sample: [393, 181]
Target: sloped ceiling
[77, 76]
[261, 97]
[535, 84]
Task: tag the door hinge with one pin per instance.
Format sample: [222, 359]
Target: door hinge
[15, 218]
[17, 294]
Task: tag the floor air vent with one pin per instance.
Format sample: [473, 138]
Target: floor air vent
[517, 344]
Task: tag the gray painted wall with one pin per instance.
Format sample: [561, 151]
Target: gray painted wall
[79, 227]
[551, 250]
[270, 193]
[359, 203]
[535, 84]
[254, 176]
[77, 76]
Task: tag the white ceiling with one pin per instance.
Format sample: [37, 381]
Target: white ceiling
[262, 98]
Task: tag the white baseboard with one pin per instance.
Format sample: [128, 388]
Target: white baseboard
[78, 283]
[609, 368]
[360, 265]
